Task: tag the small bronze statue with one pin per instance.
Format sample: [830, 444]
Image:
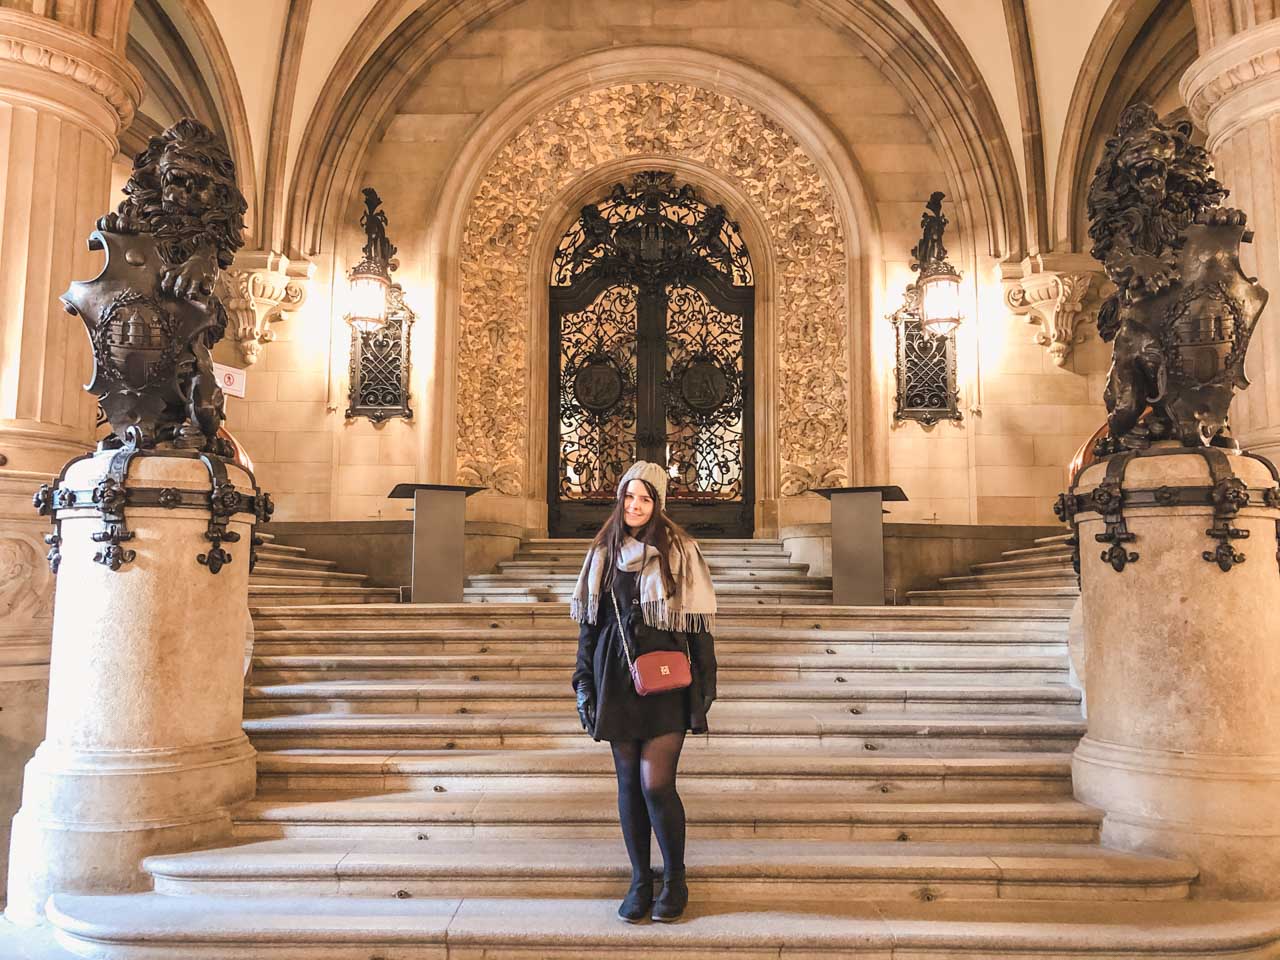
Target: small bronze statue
[1183, 310]
[152, 314]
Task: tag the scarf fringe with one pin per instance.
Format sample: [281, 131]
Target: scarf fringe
[659, 615]
[587, 612]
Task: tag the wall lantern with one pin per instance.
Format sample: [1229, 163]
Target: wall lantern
[939, 281]
[370, 279]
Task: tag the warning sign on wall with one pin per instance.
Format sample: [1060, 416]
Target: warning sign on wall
[231, 379]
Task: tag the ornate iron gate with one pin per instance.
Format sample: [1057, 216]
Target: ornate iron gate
[652, 301]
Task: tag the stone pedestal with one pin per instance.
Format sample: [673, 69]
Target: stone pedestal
[143, 750]
[1183, 666]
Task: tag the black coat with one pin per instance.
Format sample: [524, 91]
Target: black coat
[621, 713]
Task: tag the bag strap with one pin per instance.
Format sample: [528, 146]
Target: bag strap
[622, 630]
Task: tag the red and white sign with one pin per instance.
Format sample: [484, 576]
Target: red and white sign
[231, 379]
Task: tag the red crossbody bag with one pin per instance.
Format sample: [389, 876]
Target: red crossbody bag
[655, 672]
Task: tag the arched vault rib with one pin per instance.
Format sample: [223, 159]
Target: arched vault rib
[957, 112]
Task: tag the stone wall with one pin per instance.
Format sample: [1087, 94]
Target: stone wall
[1024, 415]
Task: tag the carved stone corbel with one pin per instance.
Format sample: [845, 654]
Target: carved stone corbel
[1058, 301]
[259, 289]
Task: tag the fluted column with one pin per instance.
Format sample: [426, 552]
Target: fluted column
[65, 95]
[1233, 93]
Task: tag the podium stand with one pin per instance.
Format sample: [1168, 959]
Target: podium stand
[439, 539]
[857, 542]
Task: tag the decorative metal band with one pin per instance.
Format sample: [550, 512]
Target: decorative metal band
[111, 496]
[1227, 495]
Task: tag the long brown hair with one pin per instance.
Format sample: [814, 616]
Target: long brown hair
[660, 532]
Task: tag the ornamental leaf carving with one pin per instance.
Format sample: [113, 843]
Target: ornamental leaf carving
[653, 119]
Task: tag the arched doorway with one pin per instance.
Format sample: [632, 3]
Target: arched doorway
[651, 308]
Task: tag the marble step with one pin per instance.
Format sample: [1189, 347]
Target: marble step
[1045, 552]
[746, 869]
[151, 926]
[1052, 562]
[562, 640]
[556, 563]
[294, 557]
[274, 668]
[725, 593]
[706, 765]
[726, 578]
[708, 546]
[287, 574]
[761, 699]
[261, 595]
[416, 816]
[1060, 597]
[363, 617]
[838, 729]
[1052, 577]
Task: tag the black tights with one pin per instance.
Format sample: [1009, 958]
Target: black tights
[647, 799]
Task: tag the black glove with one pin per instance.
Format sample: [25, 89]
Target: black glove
[707, 701]
[586, 705]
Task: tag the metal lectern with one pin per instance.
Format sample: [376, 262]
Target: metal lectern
[857, 542]
[439, 539]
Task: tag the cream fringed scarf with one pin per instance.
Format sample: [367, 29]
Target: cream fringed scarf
[691, 610]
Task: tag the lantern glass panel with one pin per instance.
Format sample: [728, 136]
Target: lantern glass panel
[940, 304]
[367, 302]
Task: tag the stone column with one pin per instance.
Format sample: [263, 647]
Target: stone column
[65, 94]
[1183, 748]
[1233, 93]
[144, 751]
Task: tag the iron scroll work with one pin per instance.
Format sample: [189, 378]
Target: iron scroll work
[153, 316]
[926, 364]
[379, 373]
[652, 298]
[1180, 322]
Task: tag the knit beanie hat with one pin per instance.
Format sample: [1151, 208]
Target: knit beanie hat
[654, 474]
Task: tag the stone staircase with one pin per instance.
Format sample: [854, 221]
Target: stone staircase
[879, 782]
[1039, 576]
[745, 571]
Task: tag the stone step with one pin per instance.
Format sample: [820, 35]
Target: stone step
[363, 617]
[562, 640]
[1056, 540]
[555, 563]
[588, 767]
[1025, 563]
[761, 699]
[726, 579]
[272, 668]
[1063, 597]
[1049, 551]
[287, 574]
[293, 556]
[416, 816]
[799, 730]
[745, 869]
[154, 926]
[767, 595]
[264, 595]
[709, 545]
[1023, 578]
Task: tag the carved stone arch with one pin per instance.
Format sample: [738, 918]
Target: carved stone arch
[1140, 51]
[842, 228]
[956, 108]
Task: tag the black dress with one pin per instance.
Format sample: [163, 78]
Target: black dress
[621, 713]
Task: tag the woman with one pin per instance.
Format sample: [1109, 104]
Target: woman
[656, 574]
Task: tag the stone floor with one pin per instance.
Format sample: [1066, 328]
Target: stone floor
[17, 943]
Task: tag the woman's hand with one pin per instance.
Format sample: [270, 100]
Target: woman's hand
[586, 704]
[707, 701]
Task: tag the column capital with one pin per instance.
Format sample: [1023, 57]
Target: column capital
[1235, 83]
[1057, 292]
[260, 286]
[34, 48]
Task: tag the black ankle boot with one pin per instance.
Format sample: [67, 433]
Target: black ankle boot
[673, 898]
[639, 898]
